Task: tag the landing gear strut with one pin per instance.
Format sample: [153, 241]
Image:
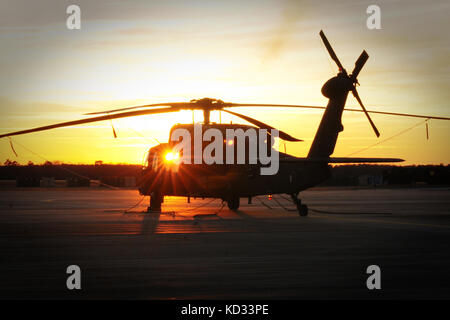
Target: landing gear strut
[302, 208]
[233, 203]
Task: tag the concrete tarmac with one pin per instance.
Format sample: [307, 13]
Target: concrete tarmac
[202, 251]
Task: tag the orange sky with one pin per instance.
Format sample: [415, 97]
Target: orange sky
[142, 52]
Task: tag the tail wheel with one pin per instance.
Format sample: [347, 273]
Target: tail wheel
[233, 203]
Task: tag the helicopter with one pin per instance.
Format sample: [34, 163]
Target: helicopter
[164, 174]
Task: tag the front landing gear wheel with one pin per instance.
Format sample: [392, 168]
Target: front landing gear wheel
[155, 202]
[303, 210]
[233, 203]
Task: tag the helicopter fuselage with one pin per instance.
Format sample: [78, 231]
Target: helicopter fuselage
[166, 175]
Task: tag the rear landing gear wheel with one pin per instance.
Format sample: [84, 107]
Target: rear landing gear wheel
[303, 210]
[233, 203]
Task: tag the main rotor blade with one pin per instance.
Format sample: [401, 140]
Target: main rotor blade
[182, 105]
[226, 105]
[175, 109]
[331, 51]
[356, 95]
[168, 104]
[94, 119]
[262, 125]
[401, 114]
[359, 64]
[320, 107]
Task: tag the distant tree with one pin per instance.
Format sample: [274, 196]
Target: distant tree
[47, 163]
[30, 163]
[10, 163]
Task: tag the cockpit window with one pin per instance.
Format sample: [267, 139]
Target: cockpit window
[155, 162]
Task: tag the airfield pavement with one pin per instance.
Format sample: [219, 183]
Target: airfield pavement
[197, 251]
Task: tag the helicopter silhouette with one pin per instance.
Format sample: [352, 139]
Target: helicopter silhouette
[164, 175]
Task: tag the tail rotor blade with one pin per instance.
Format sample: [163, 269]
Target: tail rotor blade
[331, 51]
[359, 64]
[356, 95]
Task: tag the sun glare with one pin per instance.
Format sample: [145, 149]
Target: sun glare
[171, 156]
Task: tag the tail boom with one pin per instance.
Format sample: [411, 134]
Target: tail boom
[336, 89]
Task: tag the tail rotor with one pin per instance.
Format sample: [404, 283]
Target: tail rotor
[359, 64]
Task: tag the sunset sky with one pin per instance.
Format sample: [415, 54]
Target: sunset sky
[137, 52]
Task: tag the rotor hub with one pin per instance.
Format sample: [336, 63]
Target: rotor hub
[337, 86]
[207, 105]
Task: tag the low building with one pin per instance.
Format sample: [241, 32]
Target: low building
[370, 180]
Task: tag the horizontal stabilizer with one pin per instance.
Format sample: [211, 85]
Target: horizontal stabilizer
[340, 160]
